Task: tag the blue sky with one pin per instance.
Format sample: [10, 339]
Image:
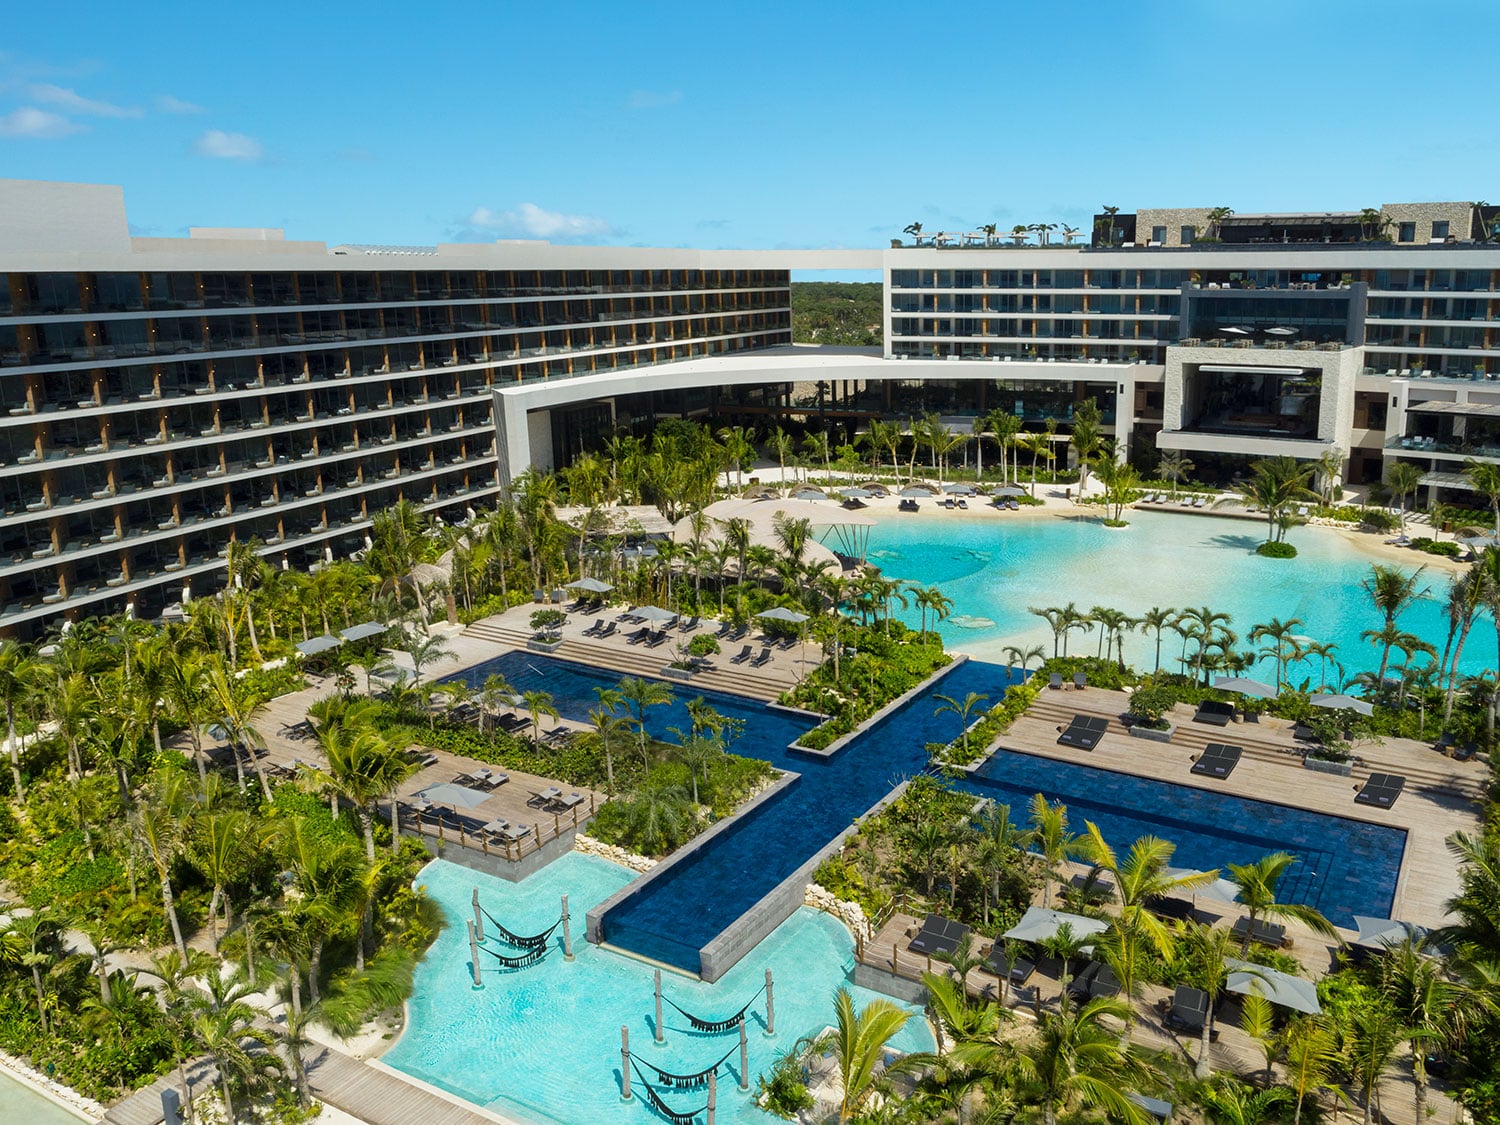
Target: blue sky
[765, 125]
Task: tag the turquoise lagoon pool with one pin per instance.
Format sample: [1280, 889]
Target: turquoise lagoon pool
[995, 568]
[542, 1044]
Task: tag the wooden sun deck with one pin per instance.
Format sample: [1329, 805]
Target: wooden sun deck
[1441, 795]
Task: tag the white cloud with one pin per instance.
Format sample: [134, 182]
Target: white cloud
[28, 121]
[220, 145]
[652, 99]
[70, 101]
[530, 221]
[166, 103]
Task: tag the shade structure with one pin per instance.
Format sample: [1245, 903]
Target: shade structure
[455, 796]
[1041, 924]
[1279, 988]
[1220, 890]
[781, 613]
[589, 586]
[918, 493]
[809, 494]
[1342, 703]
[1379, 934]
[1245, 687]
[315, 645]
[363, 629]
[654, 613]
[1010, 490]
[1235, 330]
[959, 489]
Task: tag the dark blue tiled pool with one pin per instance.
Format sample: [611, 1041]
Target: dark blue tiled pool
[1347, 866]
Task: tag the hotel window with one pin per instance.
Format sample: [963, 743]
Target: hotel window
[1439, 230]
[1188, 234]
[1406, 232]
[1158, 235]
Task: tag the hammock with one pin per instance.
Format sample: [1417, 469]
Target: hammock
[536, 941]
[714, 1027]
[527, 959]
[662, 1107]
[686, 1081]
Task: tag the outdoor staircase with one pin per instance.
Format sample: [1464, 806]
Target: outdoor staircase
[755, 683]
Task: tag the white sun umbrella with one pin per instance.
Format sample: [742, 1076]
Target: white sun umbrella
[1281, 331]
[1279, 988]
[1242, 686]
[590, 585]
[1235, 330]
[1342, 703]
[655, 613]
[1220, 890]
[781, 613]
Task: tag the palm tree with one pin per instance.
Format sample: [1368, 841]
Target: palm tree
[927, 839]
[161, 820]
[739, 447]
[1156, 619]
[31, 941]
[609, 726]
[1054, 617]
[1324, 651]
[1203, 625]
[1019, 657]
[1216, 216]
[1476, 932]
[1049, 835]
[1086, 439]
[784, 446]
[1275, 484]
[1175, 467]
[218, 848]
[656, 816]
[223, 1025]
[358, 770]
[1311, 1056]
[17, 678]
[1403, 479]
[539, 703]
[425, 651]
[1076, 1058]
[638, 695]
[1257, 882]
[1484, 478]
[858, 1040]
[1330, 466]
[962, 710]
[1372, 1038]
[997, 844]
[1279, 633]
[1467, 593]
[1203, 950]
[1232, 1102]
[1391, 590]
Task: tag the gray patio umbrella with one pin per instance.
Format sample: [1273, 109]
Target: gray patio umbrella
[1342, 703]
[1277, 987]
[316, 645]
[363, 629]
[1379, 934]
[1220, 890]
[781, 613]
[655, 613]
[920, 493]
[589, 586]
[809, 494]
[1010, 490]
[1040, 924]
[1281, 331]
[855, 493]
[959, 489]
[1478, 543]
[455, 796]
[1245, 687]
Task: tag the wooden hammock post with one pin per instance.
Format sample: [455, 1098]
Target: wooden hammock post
[770, 1007]
[478, 917]
[474, 956]
[713, 1096]
[744, 1059]
[624, 1063]
[660, 1038]
[567, 931]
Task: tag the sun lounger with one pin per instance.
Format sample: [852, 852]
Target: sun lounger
[1018, 972]
[1084, 731]
[638, 636]
[595, 629]
[608, 631]
[938, 936]
[1217, 760]
[1080, 681]
[907, 505]
[1272, 934]
[1056, 682]
[743, 655]
[762, 658]
[690, 624]
[1189, 1009]
[1097, 979]
[740, 633]
[787, 644]
[724, 630]
[657, 639]
[1214, 713]
[496, 780]
[1094, 887]
[962, 503]
[1381, 790]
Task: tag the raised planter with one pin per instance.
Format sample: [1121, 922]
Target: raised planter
[674, 673]
[537, 645]
[1137, 731]
[1318, 765]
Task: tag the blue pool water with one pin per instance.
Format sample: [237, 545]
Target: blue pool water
[994, 569]
[543, 1044]
[678, 913]
[1346, 866]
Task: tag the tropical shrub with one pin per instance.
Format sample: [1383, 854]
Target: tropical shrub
[1274, 550]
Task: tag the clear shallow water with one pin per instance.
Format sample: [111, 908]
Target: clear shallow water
[994, 569]
[1347, 866]
[20, 1104]
[543, 1044]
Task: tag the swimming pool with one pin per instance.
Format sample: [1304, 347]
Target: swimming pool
[995, 568]
[672, 917]
[1346, 866]
[543, 1044]
[19, 1103]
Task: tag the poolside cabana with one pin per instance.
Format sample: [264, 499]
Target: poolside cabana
[1279, 988]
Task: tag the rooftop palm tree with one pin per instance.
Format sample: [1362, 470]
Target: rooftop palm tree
[858, 1041]
[1076, 1058]
[1258, 881]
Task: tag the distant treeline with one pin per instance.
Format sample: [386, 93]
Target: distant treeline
[836, 312]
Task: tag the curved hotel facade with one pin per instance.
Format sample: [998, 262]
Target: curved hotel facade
[159, 397]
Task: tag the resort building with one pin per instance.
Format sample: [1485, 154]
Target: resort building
[162, 396]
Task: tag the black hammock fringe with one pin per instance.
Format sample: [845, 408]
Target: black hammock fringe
[527, 959]
[686, 1081]
[536, 941]
[714, 1027]
[662, 1107]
